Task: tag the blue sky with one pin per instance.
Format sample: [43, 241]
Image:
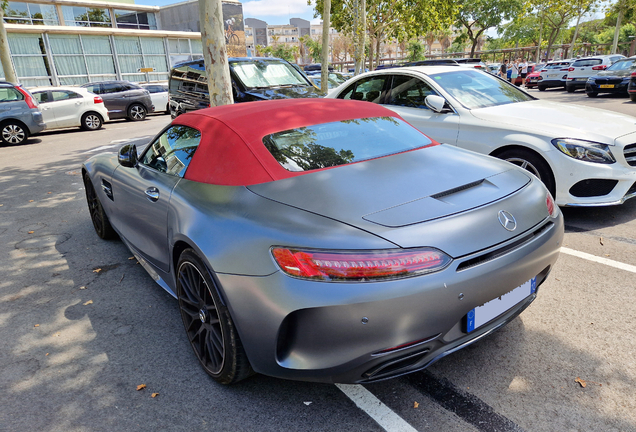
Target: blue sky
[270, 11]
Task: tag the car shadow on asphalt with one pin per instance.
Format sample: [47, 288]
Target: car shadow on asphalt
[84, 327]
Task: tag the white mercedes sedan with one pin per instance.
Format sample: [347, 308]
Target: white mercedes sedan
[585, 156]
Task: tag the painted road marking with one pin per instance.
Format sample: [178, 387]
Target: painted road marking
[600, 260]
[382, 414]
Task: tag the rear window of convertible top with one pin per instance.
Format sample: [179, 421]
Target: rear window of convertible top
[342, 142]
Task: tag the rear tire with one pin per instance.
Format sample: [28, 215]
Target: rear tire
[208, 324]
[569, 89]
[137, 112]
[591, 94]
[541, 88]
[632, 97]
[532, 163]
[13, 133]
[91, 121]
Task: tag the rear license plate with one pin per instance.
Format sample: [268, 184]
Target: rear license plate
[606, 86]
[552, 75]
[484, 313]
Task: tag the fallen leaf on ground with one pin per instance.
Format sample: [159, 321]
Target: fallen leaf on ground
[601, 241]
[31, 232]
[141, 387]
[46, 354]
[82, 287]
[607, 254]
[88, 302]
[97, 270]
[30, 200]
[581, 382]
[307, 403]
[132, 257]
[154, 395]
[37, 325]
[49, 193]
[415, 404]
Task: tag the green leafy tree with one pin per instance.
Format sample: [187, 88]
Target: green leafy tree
[314, 47]
[392, 19]
[477, 16]
[415, 50]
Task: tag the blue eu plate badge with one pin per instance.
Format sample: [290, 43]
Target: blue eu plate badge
[492, 309]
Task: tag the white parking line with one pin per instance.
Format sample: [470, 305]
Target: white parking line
[382, 414]
[600, 260]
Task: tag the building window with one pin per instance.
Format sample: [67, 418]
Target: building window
[80, 16]
[135, 20]
[29, 59]
[134, 53]
[30, 13]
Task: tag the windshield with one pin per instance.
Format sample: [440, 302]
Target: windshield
[474, 89]
[339, 143]
[623, 65]
[267, 73]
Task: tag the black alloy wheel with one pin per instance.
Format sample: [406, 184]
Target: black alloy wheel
[208, 324]
[91, 121]
[591, 94]
[533, 163]
[12, 133]
[100, 221]
[137, 112]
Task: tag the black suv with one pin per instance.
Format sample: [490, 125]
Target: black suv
[123, 99]
[253, 79]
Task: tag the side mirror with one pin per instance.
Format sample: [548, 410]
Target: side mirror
[436, 103]
[128, 156]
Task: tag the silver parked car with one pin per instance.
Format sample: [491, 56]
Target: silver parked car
[20, 116]
[325, 240]
[123, 99]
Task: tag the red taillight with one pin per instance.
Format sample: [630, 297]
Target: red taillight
[477, 66]
[98, 99]
[633, 74]
[359, 266]
[552, 208]
[27, 97]
[571, 69]
[599, 67]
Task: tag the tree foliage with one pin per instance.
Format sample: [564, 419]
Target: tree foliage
[477, 16]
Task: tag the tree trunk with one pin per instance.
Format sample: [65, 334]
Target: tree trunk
[324, 64]
[576, 33]
[5, 56]
[538, 55]
[617, 30]
[215, 52]
[371, 50]
[378, 55]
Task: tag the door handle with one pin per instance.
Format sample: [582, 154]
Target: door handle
[152, 193]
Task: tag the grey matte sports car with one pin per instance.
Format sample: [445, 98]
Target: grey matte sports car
[325, 240]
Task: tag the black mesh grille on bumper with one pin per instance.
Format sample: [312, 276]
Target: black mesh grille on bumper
[630, 154]
[592, 187]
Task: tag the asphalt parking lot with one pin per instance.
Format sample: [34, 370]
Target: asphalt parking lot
[83, 326]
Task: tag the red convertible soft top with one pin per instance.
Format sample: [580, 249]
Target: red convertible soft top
[232, 152]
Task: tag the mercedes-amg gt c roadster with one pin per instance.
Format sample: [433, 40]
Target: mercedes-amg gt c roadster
[325, 240]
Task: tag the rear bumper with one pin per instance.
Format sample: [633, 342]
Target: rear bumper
[351, 333]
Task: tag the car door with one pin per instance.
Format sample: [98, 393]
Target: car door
[142, 194]
[406, 96]
[111, 93]
[46, 108]
[68, 107]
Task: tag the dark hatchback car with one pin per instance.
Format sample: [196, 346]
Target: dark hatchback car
[253, 79]
[614, 79]
[123, 99]
[19, 114]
